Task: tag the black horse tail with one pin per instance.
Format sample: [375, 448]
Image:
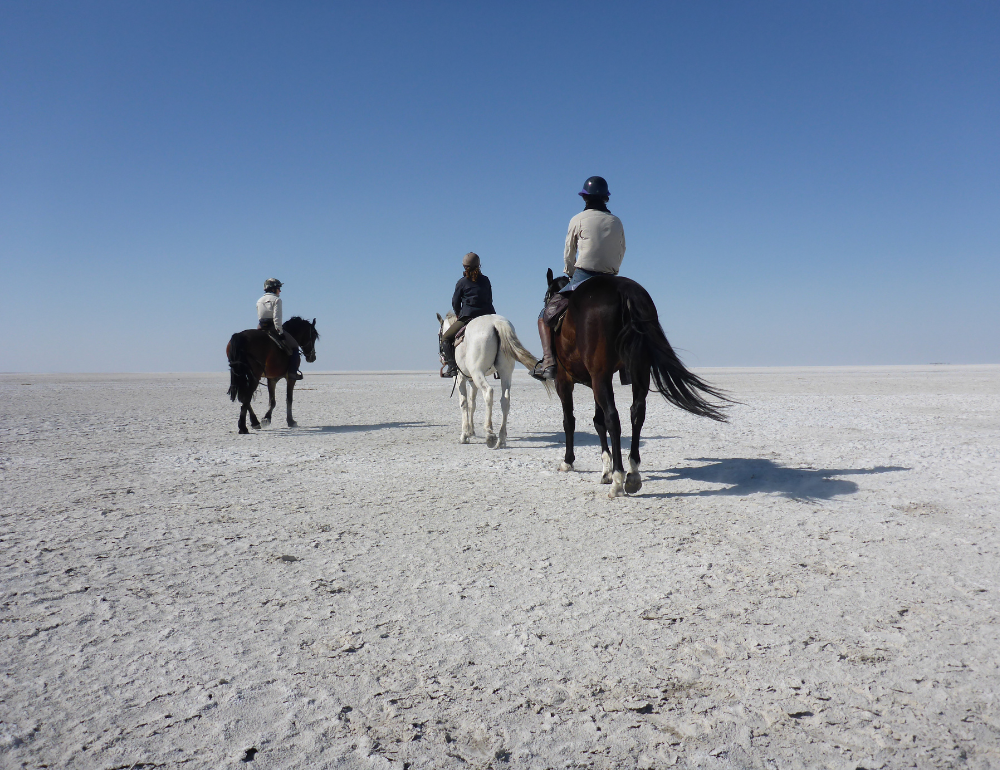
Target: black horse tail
[241, 379]
[642, 339]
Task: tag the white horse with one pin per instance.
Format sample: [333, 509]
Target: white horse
[490, 345]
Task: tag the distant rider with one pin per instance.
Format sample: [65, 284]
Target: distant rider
[269, 319]
[595, 245]
[473, 297]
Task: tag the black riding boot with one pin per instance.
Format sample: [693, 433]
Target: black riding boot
[450, 368]
[546, 368]
[294, 361]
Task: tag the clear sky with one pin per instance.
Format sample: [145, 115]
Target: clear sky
[800, 183]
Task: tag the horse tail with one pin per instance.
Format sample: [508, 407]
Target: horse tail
[642, 339]
[242, 383]
[511, 345]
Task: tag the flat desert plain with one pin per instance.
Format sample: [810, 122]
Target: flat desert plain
[813, 584]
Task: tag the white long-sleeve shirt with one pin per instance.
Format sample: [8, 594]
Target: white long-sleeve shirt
[599, 237]
[269, 306]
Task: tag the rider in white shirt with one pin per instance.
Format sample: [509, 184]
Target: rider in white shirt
[269, 319]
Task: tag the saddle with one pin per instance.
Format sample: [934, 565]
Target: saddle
[555, 311]
[268, 326]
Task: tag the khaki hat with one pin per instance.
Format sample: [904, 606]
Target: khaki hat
[470, 260]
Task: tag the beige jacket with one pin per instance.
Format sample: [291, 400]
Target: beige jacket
[600, 240]
[269, 306]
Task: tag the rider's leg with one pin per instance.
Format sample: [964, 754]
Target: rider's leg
[448, 348]
[294, 359]
[546, 368]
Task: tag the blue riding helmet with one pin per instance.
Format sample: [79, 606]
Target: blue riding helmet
[596, 185]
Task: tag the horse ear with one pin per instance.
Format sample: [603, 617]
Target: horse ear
[440, 319]
[314, 323]
[548, 275]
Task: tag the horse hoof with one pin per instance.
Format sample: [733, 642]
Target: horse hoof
[605, 478]
[565, 466]
[492, 441]
[617, 485]
[633, 483]
[266, 421]
[243, 430]
[255, 426]
[292, 424]
[463, 440]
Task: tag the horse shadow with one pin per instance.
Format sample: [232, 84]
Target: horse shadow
[364, 428]
[747, 476]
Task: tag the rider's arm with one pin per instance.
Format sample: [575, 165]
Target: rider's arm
[456, 298]
[569, 256]
[277, 315]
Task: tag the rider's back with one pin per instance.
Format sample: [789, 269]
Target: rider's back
[595, 241]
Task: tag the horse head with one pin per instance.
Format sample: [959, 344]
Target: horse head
[445, 323]
[305, 334]
[313, 335]
[554, 284]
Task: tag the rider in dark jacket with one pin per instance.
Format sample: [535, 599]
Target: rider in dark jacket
[473, 297]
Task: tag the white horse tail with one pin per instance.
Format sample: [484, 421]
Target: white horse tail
[511, 345]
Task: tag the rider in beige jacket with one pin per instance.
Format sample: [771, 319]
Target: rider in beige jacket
[269, 319]
[595, 245]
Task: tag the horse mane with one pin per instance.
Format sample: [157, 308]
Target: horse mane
[297, 322]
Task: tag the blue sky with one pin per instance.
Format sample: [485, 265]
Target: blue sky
[800, 183]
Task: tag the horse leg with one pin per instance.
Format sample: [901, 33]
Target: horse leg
[605, 396]
[288, 403]
[270, 400]
[472, 407]
[254, 423]
[564, 387]
[602, 432]
[242, 424]
[505, 378]
[479, 378]
[463, 402]
[640, 389]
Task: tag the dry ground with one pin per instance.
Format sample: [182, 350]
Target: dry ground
[814, 584]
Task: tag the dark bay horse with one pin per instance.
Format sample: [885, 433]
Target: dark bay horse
[253, 355]
[611, 324]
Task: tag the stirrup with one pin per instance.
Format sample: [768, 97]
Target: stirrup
[548, 373]
[452, 371]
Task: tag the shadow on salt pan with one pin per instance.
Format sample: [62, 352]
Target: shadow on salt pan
[365, 428]
[747, 476]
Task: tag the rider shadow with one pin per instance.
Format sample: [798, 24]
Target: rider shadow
[580, 438]
[748, 476]
[366, 428]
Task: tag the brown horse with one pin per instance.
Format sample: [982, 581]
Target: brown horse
[253, 355]
[611, 324]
